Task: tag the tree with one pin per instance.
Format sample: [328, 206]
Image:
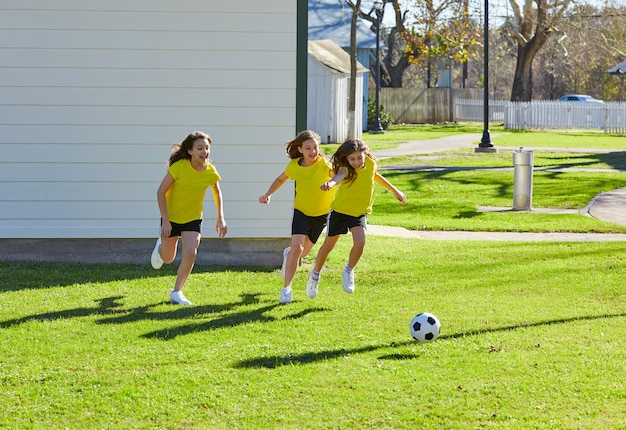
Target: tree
[588, 42]
[352, 132]
[535, 21]
[442, 30]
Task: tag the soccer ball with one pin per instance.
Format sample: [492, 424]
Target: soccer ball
[425, 327]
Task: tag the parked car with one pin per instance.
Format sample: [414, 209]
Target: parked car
[579, 98]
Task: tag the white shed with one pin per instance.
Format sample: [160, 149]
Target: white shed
[328, 92]
[93, 95]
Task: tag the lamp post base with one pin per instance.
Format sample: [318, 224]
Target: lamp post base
[485, 144]
[376, 128]
[490, 149]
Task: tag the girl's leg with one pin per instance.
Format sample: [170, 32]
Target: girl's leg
[358, 245]
[308, 245]
[324, 251]
[298, 245]
[189, 249]
[168, 249]
[322, 254]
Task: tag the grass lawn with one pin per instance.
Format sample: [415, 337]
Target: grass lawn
[533, 333]
[449, 199]
[533, 336]
[398, 134]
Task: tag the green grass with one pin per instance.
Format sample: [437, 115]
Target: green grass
[449, 200]
[533, 336]
[542, 159]
[533, 333]
[398, 134]
[560, 140]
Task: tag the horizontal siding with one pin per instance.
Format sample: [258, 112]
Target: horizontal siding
[143, 59]
[132, 229]
[110, 153]
[129, 173]
[178, 6]
[183, 41]
[99, 209]
[239, 199]
[146, 116]
[145, 21]
[94, 94]
[161, 136]
[200, 80]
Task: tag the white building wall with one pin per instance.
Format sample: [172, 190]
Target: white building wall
[94, 93]
[319, 98]
[327, 104]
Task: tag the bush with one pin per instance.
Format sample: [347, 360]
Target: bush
[385, 118]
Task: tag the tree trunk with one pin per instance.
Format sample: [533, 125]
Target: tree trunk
[522, 90]
[534, 28]
[352, 132]
[393, 73]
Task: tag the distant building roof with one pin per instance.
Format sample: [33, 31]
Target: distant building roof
[331, 55]
[330, 19]
[620, 69]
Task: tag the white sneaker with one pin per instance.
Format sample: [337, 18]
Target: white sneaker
[311, 287]
[156, 259]
[285, 295]
[285, 253]
[348, 281]
[178, 298]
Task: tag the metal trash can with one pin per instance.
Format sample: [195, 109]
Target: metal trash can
[523, 179]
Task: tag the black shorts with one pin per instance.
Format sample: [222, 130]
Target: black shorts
[311, 226]
[339, 223]
[177, 229]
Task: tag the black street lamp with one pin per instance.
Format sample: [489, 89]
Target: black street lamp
[378, 9]
[485, 142]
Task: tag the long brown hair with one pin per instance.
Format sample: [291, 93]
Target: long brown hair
[293, 145]
[340, 157]
[181, 150]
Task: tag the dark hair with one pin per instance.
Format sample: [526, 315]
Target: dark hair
[181, 150]
[340, 157]
[293, 145]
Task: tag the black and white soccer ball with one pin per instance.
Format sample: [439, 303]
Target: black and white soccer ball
[425, 327]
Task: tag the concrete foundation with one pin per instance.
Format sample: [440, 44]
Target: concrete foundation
[212, 252]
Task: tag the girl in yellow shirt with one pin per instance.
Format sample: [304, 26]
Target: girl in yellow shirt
[308, 168]
[180, 198]
[356, 172]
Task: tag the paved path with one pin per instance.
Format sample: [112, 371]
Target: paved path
[609, 206]
[447, 143]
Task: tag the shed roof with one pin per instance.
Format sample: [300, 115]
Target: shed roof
[620, 69]
[330, 19]
[333, 56]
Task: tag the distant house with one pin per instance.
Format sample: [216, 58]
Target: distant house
[330, 19]
[95, 93]
[328, 91]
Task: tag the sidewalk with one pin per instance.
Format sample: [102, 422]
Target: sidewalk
[609, 206]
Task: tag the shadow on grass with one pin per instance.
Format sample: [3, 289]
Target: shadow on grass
[274, 361]
[113, 312]
[231, 320]
[17, 276]
[614, 160]
[106, 306]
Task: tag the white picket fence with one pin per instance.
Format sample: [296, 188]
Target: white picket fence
[609, 117]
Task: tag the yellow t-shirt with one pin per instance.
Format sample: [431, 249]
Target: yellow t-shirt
[310, 199]
[184, 198]
[356, 198]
